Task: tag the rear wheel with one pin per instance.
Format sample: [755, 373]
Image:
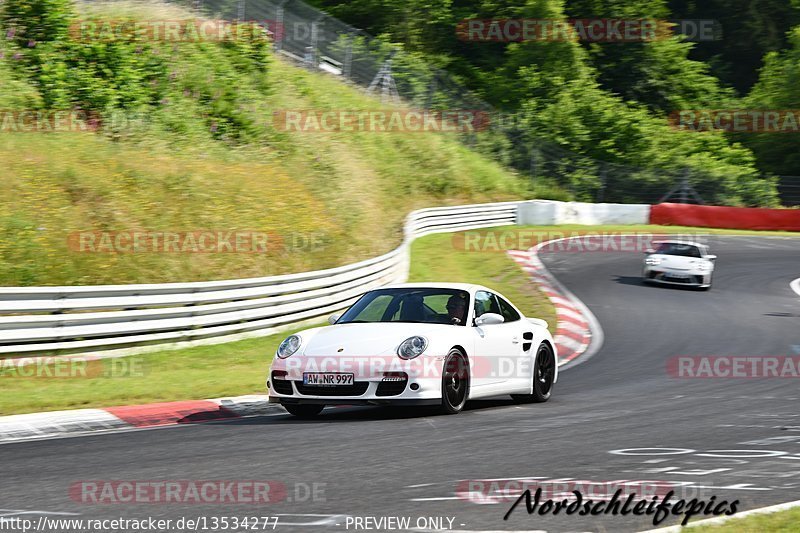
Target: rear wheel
[303, 411]
[544, 373]
[455, 383]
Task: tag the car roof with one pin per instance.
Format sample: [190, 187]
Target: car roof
[692, 243]
[438, 285]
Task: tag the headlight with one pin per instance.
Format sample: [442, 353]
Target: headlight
[652, 261]
[412, 347]
[289, 346]
[705, 266]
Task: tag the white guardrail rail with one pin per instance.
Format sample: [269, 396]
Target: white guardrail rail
[45, 320]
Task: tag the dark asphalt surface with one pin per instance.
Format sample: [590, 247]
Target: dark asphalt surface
[730, 438]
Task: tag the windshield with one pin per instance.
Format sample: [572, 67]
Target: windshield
[674, 248]
[422, 305]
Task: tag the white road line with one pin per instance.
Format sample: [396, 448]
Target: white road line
[725, 519]
[568, 342]
[563, 302]
[484, 530]
[795, 285]
[324, 519]
[563, 311]
[12, 512]
[574, 328]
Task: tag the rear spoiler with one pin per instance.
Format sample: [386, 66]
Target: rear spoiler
[538, 322]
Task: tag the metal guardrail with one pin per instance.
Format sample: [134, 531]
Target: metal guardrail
[45, 320]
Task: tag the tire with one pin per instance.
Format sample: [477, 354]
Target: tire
[543, 375]
[303, 410]
[455, 383]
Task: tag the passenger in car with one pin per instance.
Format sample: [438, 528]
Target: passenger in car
[456, 309]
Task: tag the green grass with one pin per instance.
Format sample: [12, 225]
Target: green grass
[781, 522]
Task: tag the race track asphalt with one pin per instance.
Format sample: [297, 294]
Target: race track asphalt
[734, 438]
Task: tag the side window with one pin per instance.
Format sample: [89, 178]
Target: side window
[494, 308]
[508, 312]
[483, 303]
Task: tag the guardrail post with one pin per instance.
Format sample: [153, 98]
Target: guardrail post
[315, 40]
[348, 56]
[279, 26]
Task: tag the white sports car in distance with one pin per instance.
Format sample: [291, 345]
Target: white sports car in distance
[416, 344]
[679, 263]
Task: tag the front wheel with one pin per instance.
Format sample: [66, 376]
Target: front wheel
[544, 373]
[455, 383]
[303, 411]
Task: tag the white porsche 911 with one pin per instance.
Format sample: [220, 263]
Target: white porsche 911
[679, 263]
[416, 344]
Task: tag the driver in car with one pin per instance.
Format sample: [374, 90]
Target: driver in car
[456, 309]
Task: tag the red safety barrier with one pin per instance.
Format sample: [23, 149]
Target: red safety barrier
[709, 216]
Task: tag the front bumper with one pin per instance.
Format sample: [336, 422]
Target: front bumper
[686, 278]
[418, 382]
[357, 401]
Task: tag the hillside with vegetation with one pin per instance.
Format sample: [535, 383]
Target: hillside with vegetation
[187, 142]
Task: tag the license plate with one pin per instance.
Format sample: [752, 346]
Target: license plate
[678, 276]
[327, 379]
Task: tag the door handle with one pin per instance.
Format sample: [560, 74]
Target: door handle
[514, 340]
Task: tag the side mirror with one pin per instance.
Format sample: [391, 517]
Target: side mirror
[333, 318]
[711, 257]
[488, 319]
[649, 251]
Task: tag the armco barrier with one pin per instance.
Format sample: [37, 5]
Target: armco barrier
[707, 216]
[43, 320]
[547, 213]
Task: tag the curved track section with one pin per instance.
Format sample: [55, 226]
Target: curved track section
[617, 416]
